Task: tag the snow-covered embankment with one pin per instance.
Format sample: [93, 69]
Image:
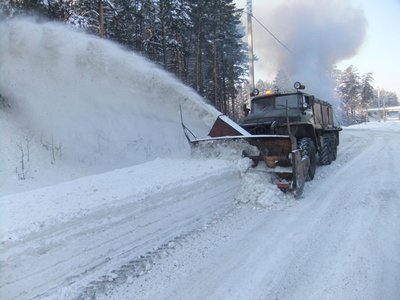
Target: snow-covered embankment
[72, 233]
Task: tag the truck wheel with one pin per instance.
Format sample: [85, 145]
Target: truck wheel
[306, 145]
[325, 153]
[334, 147]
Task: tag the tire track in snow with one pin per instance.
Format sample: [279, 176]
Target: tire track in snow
[69, 256]
[339, 242]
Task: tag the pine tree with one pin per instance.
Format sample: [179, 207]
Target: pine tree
[175, 24]
[349, 90]
[281, 83]
[387, 98]
[367, 91]
[232, 59]
[95, 16]
[220, 57]
[7, 8]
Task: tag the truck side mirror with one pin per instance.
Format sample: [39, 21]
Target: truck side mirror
[309, 101]
[246, 110]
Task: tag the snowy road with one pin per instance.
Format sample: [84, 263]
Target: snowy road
[183, 236]
[95, 225]
[169, 228]
[341, 241]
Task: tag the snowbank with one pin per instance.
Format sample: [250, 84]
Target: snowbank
[36, 210]
[67, 235]
[88, 102]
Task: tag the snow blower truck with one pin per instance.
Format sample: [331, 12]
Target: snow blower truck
[291, 132]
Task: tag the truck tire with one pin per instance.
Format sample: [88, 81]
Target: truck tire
[334, 146]
[307, 147]
[325, 153]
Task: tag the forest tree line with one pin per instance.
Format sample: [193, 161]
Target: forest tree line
[354, 91]
[199, 41]
[358, 94]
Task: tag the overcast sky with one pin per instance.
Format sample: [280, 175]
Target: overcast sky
[364, 33]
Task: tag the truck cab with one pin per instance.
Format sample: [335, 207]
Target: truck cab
[300, 115]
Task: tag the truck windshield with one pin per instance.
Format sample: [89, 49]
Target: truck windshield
[277, 102]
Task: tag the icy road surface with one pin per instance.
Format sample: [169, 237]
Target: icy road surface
[341, 241]
[179, 232]
[69, 234]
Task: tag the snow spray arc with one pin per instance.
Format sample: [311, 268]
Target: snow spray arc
[105, 105]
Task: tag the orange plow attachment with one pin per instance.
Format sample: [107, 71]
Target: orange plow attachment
[276, 151]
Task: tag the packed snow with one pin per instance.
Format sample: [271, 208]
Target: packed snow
[112, 205]
[340, 241]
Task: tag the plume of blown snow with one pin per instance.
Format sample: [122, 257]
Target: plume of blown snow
[319, 34]
[103, 104]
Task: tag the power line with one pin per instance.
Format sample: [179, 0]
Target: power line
[266, 29]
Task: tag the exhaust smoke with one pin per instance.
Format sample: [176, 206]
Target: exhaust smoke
[319, 34]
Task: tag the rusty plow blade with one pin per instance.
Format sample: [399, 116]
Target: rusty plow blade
[286, 166]
[284, 163]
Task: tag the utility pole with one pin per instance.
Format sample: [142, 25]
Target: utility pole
[250, 43]
[379, 104]
[101, 18]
